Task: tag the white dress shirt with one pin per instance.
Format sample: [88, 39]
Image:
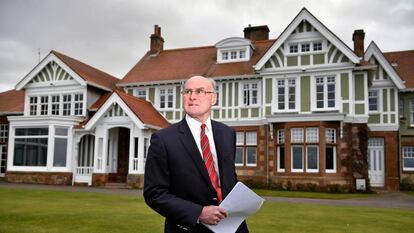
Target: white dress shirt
[195, 128]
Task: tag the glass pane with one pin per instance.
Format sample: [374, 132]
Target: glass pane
[297, 158]
[251, 155]
[240, 138]
[61, 131]
[251, 138]
[329, 158]
[281, 157]
[312, 157]
[30, 151]
[32, 131]
[59, 158]
[239, 155]
[408, 162]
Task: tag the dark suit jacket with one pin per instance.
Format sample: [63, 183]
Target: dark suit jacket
[177, 185]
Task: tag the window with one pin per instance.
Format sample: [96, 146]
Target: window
[246, 148]
[242, 54]
[281, 150]
[250, 94]
[67, 104]
[233, 55]
[317, 46]
[224, 56]
[293, 48]
[78, 104]
[412, 111]
[4, 132]
[373, 100]
[305, 149]
[166, 97]
[305, 47]
[312, 151]
[61, 146]
[330, 150]
[135, 151]
[286, 90]
[297, 135]
[30, 147]
[141, 93]
[297, 158]
[44, 103]
[33, 105]
[408, 158]
[325, 92]
[55, 104]
[217, 88]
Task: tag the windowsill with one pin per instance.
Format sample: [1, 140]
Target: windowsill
[312, 171]
[166, 109]
[297, 170]
[280, 170]
[374, 112]
[250, 106]
[325, 110]
[330, 171]
[288, 54]
[408, 169]
[286, 112]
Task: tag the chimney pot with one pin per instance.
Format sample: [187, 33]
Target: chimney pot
[358, 38]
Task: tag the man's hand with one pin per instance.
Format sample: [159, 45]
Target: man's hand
[212, 215]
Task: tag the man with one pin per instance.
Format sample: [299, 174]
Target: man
[190, 164]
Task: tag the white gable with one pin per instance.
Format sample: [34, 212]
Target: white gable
[234, 49]
[315, 31]
[51, 71]
[374, 52]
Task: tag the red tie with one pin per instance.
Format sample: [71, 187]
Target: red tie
[208, 160]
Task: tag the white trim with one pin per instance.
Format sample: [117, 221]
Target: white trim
[373, 50]
[304, 14]
[328, 116]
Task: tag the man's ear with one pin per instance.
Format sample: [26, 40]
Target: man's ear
[214, 100]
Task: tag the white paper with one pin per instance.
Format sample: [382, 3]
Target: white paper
[240, 203]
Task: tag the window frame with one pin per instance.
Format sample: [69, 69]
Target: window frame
[331, 142]
[243, 91]
[166, 95]
[245, 146]
[325, 85]
[287, 84]
[404, 157]
[4, 133]
[280, 147]
[377, 98]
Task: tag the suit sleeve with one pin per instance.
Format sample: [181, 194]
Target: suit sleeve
[234, 154]
[157, 188]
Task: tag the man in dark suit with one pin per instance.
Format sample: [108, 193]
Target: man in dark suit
[190, 165]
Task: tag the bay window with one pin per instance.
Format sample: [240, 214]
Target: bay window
[330, 150]
[281, 150]
[30, 147]
[60, 148]
[297, 149]
[408, 158]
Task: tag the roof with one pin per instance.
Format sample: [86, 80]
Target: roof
[90, 74]
[12, 101]
[144, 110]
[180, 64]
[403, 64]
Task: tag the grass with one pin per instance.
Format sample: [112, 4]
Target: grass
[40, 211]
[410, 193]
[294, 194]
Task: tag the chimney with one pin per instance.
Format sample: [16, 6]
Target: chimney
[157, 42]
[358, 38]
[256, 33]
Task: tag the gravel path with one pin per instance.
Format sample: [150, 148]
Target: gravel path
[382, 200]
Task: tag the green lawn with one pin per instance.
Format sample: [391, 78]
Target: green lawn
[410, 193]
[294, 194]
[36, 211]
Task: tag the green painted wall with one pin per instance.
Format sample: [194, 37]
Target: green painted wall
[236, 94]
[392, 119]
[151, 95]
[359, 108]
[305, 94]
[169, 115]
[318, 59]
[268, 91]
[177, 115]
[345, 107]
[177, 98]
[223, 96]
[255, 112]
[305, 60]
[236, 113]
[230, 94]
[292, 61]
[345, 86]
[374, 119]
[405, 122]
[359, 87]
[385, 118]
[223, 113]
[385, 100]
[268, 111]
[282, 58]
[216, 114]
[392, 100]
[244, 113]
[229, 114]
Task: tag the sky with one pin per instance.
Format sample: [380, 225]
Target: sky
[113, 35]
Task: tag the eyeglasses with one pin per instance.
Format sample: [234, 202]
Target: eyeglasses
[197, 92]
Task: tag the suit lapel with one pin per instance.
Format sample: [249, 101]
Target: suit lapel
[190, 145]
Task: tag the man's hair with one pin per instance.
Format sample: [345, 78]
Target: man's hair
[212, 82]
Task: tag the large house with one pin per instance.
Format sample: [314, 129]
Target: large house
[310, 113]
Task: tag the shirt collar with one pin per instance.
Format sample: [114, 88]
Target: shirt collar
[195, 124]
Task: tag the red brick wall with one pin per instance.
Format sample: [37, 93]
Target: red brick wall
[39, 177]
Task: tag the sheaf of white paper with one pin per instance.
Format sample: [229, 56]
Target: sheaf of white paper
[240, 203]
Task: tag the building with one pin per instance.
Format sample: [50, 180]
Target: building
[310, 113]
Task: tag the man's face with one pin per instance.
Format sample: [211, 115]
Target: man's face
[198, 101]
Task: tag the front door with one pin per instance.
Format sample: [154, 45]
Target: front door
[3, 160]
[376, 162]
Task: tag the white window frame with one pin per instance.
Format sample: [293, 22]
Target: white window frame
[305, 47]
[54, 104]
[75, 102]
[4, 132]
[317, 158]
[250, 89]
[330, 140]
[35, 105]
[138, 92]
[293, 48]
[247, 145]
[303, 160]
[377, 97]
[25, 167]
[166, 94]
[287, 83]
[67, 146]
[404, 151]
[325, 84]
[240, 143]
[280, 143]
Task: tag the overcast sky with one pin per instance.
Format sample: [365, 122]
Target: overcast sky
[114, 35]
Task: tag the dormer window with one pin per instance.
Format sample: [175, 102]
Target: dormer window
[234, 50]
